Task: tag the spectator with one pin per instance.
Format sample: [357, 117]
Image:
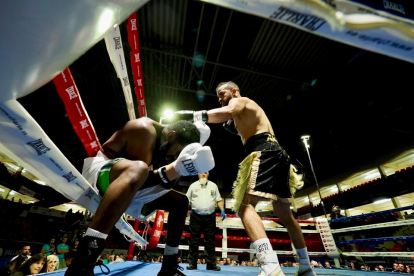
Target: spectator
[75, 246]
[367, 268]
[401, 268]
[105, 258]
[228, 261]
[376, 268]
[405, 247]
[179, 260]
[381, 268]
[12, 266]
[243, 263]
[395, 267]
[218, 260]
[314, 264]
[118, 259]
[122, 256]
[112, 258]
[52, 263]
[24, 252]
[327, 265]
[62, 249]
[221, 262]
[48, 249]
[67, 260]
[355, 265]
[32, 266]
[408, 269]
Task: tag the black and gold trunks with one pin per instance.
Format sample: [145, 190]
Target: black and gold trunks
[264, 172]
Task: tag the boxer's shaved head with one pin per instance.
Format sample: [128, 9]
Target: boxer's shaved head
[228, 84]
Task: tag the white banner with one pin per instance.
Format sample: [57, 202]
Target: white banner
[115, 49]
[47, 212]
[392, 36]
[23, 140]
[327, 238]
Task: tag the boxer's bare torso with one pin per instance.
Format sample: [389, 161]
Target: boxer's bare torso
[136, 140]
[248, 116]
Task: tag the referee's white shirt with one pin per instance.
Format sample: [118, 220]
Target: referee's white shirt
[203, 198]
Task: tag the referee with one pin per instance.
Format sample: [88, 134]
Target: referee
[203, 195]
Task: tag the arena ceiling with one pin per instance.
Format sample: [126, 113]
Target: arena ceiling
[354, 104]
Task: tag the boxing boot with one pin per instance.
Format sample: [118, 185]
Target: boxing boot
[269, 264]
[84, 262]
[170, 266]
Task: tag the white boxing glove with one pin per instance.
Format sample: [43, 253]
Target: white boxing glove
[194, 159]
[190, 115]
[204, 131]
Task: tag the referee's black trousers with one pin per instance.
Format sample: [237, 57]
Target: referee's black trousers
[203, 224]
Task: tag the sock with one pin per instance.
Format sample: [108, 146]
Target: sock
[170, 250]
[93, 233]
[304, 263]
[267, 257]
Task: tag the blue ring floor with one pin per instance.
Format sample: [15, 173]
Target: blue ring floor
[152, 269]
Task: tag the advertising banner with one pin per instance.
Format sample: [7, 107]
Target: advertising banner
[347, 22]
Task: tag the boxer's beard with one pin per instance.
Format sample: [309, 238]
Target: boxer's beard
[163, 158]
[203, 180]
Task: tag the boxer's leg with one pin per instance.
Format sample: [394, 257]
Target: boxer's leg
[126, 178]
[269, 263]
[283, 212]
[251, 220]
[177, 206]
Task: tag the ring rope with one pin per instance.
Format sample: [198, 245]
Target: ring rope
[379, 254]
[245, 250]
[371, 226]
[372, 214]
[377, 240]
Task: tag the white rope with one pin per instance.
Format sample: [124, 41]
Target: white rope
[373, 226]
[379, 254]
[245, 250]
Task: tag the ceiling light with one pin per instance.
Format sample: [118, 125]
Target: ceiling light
[168, 114]
[40, 182]
[382, 201]
[12, 193]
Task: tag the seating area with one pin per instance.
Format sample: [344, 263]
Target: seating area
[365, 193]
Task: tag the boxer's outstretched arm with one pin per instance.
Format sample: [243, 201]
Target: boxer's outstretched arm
[225, 113]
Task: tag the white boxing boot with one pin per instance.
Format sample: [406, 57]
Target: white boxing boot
[269, 264]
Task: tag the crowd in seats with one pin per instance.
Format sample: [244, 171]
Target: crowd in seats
[402, 182]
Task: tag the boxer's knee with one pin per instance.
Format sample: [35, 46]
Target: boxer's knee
[137, 173]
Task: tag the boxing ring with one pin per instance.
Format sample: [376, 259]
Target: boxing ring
[149, 269]
[32, 65]
[153, 268]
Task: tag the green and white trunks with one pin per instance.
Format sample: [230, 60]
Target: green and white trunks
[96, 171]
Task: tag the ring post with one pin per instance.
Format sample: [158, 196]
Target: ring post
[305, 141]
